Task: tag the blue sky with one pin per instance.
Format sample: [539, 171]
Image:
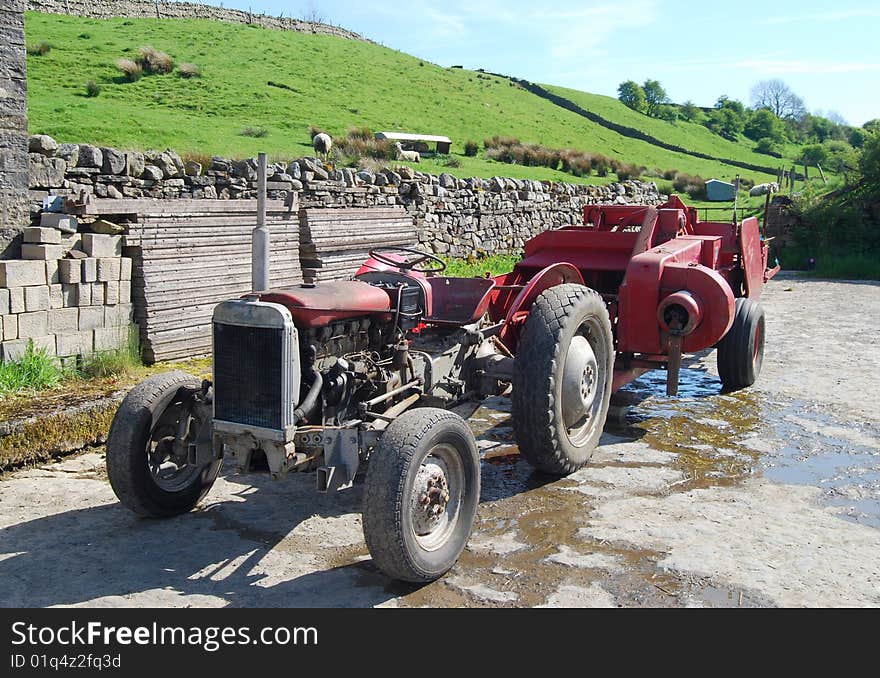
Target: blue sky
[828, 52]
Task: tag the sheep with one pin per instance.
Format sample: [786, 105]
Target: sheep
[322, 143]
[412, 156]
[764, 189]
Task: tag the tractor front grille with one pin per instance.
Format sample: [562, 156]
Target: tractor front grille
[249, 375]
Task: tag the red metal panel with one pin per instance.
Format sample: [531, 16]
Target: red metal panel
[328, 302]
[752, 257]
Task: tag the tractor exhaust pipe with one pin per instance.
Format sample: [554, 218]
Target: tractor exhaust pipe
[260, 237]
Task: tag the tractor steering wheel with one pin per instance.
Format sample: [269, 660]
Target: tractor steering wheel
[409, 264]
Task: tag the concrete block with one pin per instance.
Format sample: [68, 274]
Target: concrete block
[72, 242]
[116, 316]
[4, 302]
[125, 268]
[125, 291]
[10, 327]
[64, 320]
[68, 295]
[15, 350]
[16, 300]
[91, 317]
[98, 294]
[98, 245]
[62, 222]
[70, 270]
[111, 292]
[42, 236]
[42, 252]
[83, 294]
[109, 338]
[74, 343]
[36, 298]
[52, 272]
[56, 298]
[108, 269]
[18, 273]
[89, 270]
[33, 324]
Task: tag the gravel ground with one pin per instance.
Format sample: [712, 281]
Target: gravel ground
[767, 497]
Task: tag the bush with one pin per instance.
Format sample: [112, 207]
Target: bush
[471, 148]
[692, 185]
[361, 133]
[115, 362]
[361, 143]
[152, 61]
[499, 142]
[254, 132]
[452, 162]
[189, 71]
[93, 89]
[40, 49]
[768, 146]
[131, 70]
[626, 172]
[669, 175]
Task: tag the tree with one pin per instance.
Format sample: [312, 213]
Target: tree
[857, 137]
[631, 94]
[667, 113]
[869, 162]
[725, 122]
[779, 98]
[872, 125]
[763, 124]
[815, 154]
[768, 146]
[690, 111]
[655, 96]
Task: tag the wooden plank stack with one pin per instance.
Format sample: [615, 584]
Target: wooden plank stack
[335, 242]
[189, 258]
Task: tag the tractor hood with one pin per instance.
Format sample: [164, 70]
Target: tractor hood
[324, 303]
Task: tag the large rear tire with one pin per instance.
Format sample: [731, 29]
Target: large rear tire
[147, 474]
[741, 350]
[562, 378]
[421, 494]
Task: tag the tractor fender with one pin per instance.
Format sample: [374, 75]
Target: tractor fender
[555, 274]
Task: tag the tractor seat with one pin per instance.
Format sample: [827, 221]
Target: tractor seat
[459, 301]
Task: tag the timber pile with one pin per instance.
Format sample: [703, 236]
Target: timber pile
[188, 259]
[335, 242]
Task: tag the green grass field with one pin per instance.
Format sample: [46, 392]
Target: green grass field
[318, 80]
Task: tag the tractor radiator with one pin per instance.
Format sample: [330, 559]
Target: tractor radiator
[256, 368]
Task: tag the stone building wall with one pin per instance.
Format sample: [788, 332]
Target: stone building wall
[13, 125]
[151, 9]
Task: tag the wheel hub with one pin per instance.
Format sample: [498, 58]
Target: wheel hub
[431, 496]
[580, 381]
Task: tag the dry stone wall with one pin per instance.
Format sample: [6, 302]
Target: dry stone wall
[150, 9]
[453, 216]
[13, 123]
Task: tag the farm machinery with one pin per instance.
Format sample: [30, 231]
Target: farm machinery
[338, 377]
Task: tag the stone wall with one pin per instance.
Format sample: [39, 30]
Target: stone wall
[453, 216]
[150, 9]
[13, 124]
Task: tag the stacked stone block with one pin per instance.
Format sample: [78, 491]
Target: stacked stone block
[68, 306]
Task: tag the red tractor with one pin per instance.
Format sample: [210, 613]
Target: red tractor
[337, 376]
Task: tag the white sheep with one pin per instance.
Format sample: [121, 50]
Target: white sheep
[412, 156]
[322, 143]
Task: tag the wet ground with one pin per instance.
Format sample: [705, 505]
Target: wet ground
[765, 497]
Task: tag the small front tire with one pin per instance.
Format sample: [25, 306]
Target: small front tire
[421, 494]
[741, 350]
[148, 475]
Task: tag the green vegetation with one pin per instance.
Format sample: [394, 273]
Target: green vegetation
[474, 267]
[315, 80]
[34, 371]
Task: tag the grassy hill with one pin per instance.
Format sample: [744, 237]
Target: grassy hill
[283, 82]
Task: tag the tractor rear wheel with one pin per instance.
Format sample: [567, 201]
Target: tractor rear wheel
[562, 378]
[741, 350]
[421, 494]
[147, 459]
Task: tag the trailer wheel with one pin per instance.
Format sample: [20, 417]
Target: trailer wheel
[148, 474]
[741, 350]
[562, 378]
[421, 494]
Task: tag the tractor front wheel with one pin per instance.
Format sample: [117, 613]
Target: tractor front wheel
[562, 378]
[421, 494]
[148, 448]
[741, 350]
